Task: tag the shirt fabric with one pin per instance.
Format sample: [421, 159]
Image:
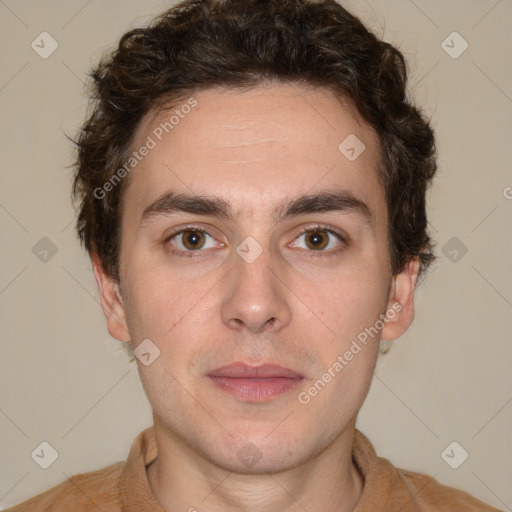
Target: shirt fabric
[124, 486]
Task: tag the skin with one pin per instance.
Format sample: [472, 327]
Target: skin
[255, 149]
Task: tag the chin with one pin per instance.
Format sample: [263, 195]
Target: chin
[249, 459]
[260, 451]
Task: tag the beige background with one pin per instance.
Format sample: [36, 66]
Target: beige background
[65, 381]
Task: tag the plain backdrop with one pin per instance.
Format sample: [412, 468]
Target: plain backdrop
[65, 381]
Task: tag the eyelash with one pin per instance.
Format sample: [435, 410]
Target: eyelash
[314, 254]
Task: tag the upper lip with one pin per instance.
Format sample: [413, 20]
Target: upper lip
[262, 371]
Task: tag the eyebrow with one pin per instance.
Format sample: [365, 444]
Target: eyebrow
[324, 201]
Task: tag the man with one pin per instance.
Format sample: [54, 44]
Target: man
[252, 187]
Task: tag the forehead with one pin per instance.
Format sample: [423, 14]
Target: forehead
[255, 147]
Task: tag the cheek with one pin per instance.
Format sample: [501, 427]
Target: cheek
[348, 352]
[173, 311]
[348, 304]
[154, 305]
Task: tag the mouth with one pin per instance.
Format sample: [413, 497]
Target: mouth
[255, 383]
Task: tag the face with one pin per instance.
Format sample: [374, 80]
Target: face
[257, 274]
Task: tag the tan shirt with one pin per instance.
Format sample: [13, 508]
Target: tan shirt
[124, 486]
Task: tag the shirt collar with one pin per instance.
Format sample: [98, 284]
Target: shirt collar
[380, 477]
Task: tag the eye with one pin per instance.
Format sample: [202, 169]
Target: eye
[320, 239]
[191, 239]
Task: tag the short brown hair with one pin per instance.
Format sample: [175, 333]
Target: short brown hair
[199, 44]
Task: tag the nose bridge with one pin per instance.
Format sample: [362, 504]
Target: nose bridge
[255, 298]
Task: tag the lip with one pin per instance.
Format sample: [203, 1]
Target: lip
[255, 383]
[262, 371]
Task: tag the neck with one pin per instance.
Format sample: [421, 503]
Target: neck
[182, 480]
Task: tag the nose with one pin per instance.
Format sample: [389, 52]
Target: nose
[256, 297]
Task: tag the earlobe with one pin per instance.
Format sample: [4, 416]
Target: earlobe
[400, 308]
[111, 302]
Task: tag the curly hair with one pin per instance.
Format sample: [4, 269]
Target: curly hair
[199, 44]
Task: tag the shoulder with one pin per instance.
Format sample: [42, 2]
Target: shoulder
[85, 492]
[393, 488]
[436, 497]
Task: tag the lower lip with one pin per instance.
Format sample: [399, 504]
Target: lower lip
[255, 390]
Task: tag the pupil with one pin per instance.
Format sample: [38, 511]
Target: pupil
[193, 239]
[315, 240]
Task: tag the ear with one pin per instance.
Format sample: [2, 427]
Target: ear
[400, 308]
[111, 302]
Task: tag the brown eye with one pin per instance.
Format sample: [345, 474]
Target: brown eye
[192, 242]
[316, 240]
[320, 239]
[193, 239]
